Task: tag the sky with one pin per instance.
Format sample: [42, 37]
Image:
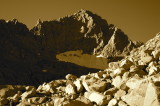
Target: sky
[139, 19]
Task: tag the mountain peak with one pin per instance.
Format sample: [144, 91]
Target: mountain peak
[158, 34]
[13, 21]
[83, 10]
[82, 26]
[39, 21]
[85, 15]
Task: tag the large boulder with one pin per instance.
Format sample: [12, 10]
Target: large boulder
[133, 99]
[6, 91]
[137, 92]
[99, 98]
[112, 102]
[152, 95]
[81, 101]
[118, 82]
[79, 86]
[28, 94]
[146, 57]
[94, 84]
[70, 89]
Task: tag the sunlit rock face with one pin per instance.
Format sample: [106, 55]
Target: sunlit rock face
[118, 45]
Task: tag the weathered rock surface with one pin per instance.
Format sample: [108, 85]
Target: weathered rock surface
[152, 95]
[99, 98]
[112, 102]
[94, 84]
[70, 89]
[28, 94]
[79, 86]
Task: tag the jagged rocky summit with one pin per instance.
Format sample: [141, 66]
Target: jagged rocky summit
[133, 81]
[83, 31]
[29, 56]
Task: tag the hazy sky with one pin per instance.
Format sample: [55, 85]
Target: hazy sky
[139, 19]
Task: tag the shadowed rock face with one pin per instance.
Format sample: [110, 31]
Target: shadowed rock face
[18, 53]
[29, 56]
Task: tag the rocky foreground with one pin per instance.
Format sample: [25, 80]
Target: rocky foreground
[133, 81]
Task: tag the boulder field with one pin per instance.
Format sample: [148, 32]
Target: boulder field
[133, 81]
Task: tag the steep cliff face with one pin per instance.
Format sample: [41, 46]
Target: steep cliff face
[118, 45]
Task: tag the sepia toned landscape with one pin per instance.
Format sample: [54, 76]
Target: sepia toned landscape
[80, 59]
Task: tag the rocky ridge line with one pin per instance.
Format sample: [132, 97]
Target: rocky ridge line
[83, 31]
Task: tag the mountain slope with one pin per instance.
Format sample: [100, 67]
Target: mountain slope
[31, 54]
[82, 31]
